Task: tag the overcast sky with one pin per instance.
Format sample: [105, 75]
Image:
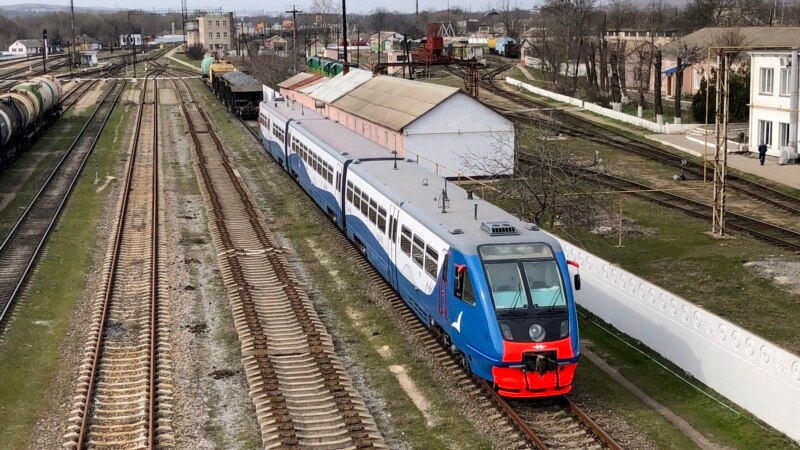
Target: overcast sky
[356, 6]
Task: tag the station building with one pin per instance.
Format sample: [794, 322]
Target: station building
[445, 130]
[774, 102]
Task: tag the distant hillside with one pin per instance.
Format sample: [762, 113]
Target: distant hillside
[27, 9]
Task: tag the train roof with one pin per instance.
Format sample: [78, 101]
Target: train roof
[415, 188]
[419, 193]
[327, 133]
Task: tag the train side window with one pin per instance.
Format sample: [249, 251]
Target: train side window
[405, 241]
[373, 212]
[350, 192]
[418, 250]
[382, 219]
[463, 287]
[431, 261]
[394, 229]
[364, 204]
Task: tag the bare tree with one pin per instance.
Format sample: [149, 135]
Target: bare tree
[553, 183]
[659, 109]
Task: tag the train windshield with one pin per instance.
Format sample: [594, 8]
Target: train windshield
[523, 277]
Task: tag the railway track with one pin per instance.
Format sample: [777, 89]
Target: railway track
[24, 242]
[571, 125]
[775, 234]
[123, 394]
[302, 393]
[542, 425]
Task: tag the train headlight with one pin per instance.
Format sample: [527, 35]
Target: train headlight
[506, 332]
[536, 332]
[564, 328]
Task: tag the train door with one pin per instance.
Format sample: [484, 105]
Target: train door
[391, 248]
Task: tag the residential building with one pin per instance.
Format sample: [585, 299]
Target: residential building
[694, 48]
[214, 33]
[657, 38]
[773, 117]
[27, 47]
[85, 43]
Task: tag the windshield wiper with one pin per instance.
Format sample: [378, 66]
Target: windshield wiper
[552, 306]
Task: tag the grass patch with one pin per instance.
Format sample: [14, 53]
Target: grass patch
[26, 175]
[187, 60]
[375, 328]
[711, 418]
[30, 357]
[709, 272]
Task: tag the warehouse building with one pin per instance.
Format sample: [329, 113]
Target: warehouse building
[442, 128]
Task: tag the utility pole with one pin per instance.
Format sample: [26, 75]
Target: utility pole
[294, 12]
[184, 17]
[44, 53]
[72, 26]
[346, 67]
[721, 147]
[358, 47]
[133, 44]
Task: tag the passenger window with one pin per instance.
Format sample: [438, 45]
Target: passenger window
[373, 212]
[357, 197]
[431, 261]
[417, 252]
[405, 241]
[463, 287]
[382, 219]
[364, 204]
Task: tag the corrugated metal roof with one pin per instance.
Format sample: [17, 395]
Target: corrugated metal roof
[393, 102]
[334, 88]
[744, 36]
[302, 76]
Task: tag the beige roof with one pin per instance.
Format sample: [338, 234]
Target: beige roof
[393, 102]
[744, 36]
[302, 76]
[338, 86]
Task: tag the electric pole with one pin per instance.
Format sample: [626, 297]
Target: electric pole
[346, 67]
[294, 12]
[44, 53]
[72, 26]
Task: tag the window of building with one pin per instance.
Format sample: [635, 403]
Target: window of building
[218, 23]
[783, 134]
[785, 76]
[210, 35]
[217, 35]
[766, 80]
[765, 132]
[225, 34]
[224, 23]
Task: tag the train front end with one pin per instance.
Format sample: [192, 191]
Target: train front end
[532, 297]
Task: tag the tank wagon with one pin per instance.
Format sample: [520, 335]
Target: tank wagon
[241, 93]
[326, 66]
[24, 112]
[497, 291]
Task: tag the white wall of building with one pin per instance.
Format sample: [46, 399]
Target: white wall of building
[752, 372]
[769, 107]
[446, 138]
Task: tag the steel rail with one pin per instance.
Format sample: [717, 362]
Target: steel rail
[151, 410]
[509, 411]
[115, 255]
[13, 232]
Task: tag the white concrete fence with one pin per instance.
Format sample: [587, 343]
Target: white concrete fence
[752, 372]
[622, 117]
